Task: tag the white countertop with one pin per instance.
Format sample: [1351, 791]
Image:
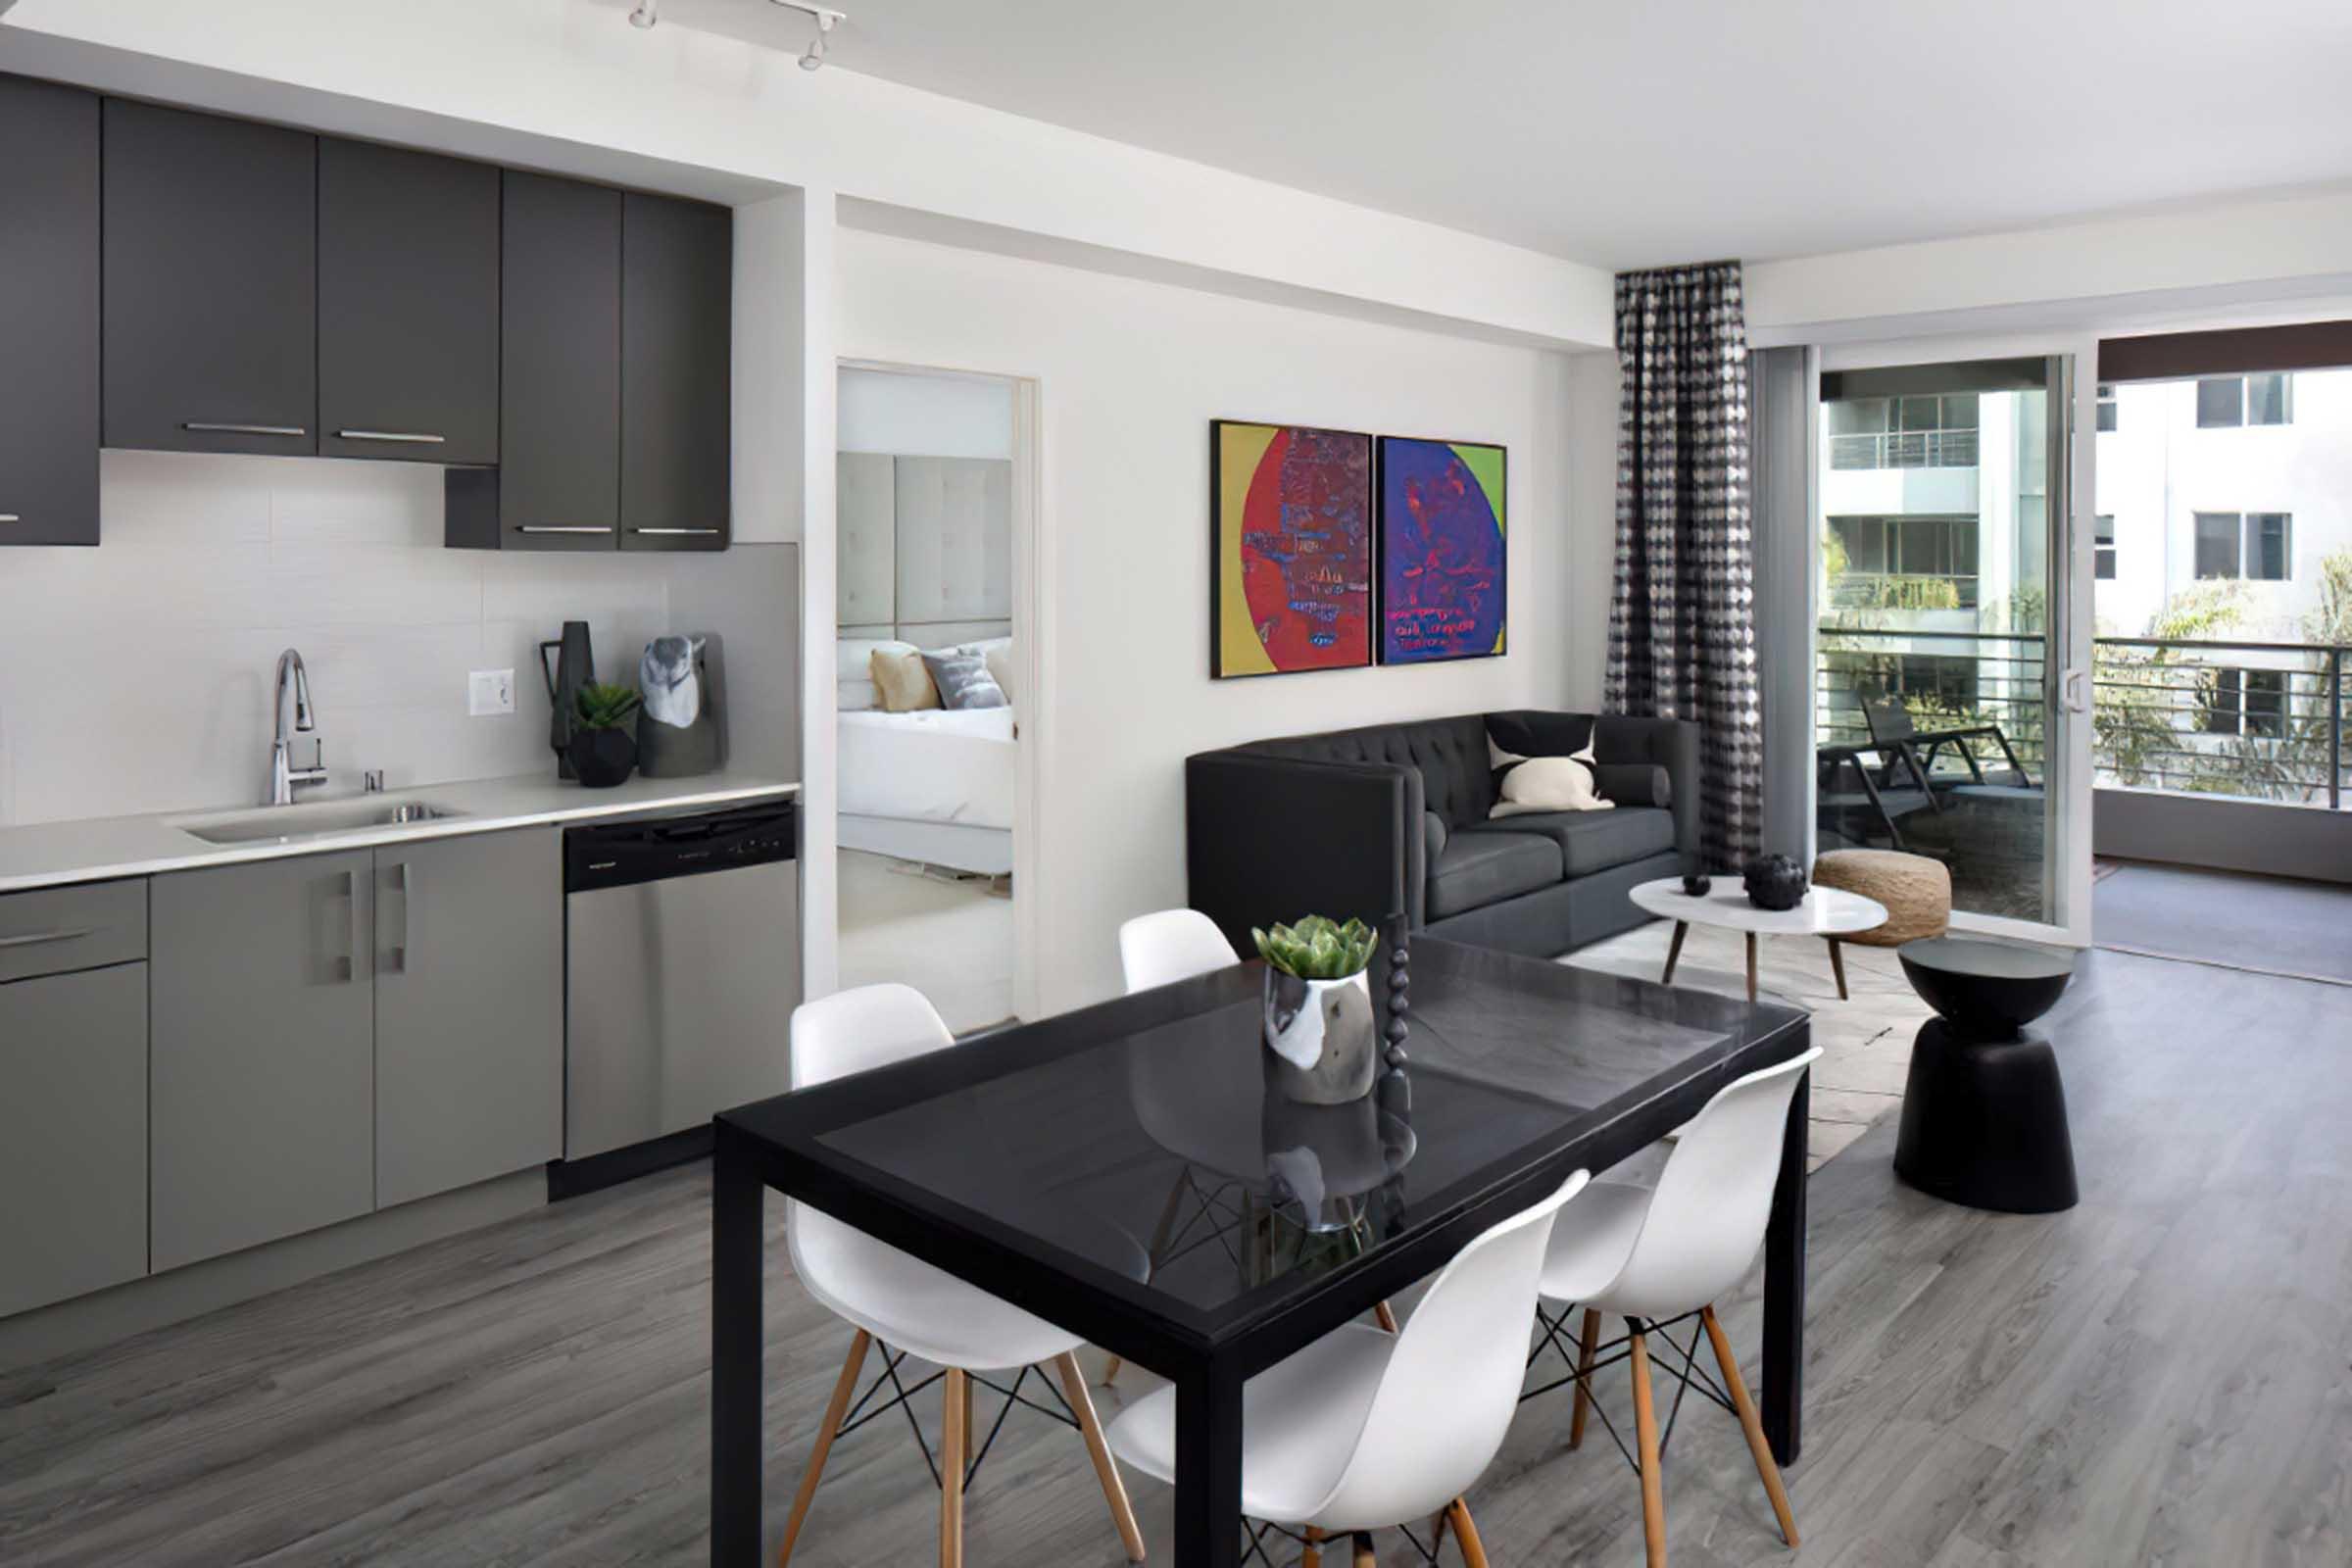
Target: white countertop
[53, 854]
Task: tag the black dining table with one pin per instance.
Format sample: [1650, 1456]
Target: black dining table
[1133, 1173]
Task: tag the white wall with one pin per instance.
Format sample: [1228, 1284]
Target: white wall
[1130, 374]
[136, 677]
[925, 416]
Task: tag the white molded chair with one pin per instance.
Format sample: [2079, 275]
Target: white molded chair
[1212, 1123]
[1366, 1428]
[910, 1306]
[1171, 945]
[1653, 1255]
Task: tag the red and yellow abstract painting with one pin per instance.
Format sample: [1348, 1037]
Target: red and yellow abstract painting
[1293, 549]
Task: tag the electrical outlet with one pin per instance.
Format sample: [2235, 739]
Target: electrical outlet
[489, 692]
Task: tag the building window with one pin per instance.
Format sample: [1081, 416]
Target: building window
[2254, 545]
[1926, 431]
[2244, 701]
[2225, 402]
[2103, 551]
[1907, 562]
[2106, 405]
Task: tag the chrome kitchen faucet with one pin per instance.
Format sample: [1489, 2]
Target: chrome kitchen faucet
[284, 777]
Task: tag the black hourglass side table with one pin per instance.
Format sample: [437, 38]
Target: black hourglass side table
[1984, 1107]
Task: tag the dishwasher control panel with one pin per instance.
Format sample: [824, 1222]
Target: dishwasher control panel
[621, 855]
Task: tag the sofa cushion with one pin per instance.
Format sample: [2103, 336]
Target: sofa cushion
[1487, 864]
[1588, 840]
[1450, 754]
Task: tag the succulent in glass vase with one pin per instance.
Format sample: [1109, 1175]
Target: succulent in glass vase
[604, 742]
[1318, 1023]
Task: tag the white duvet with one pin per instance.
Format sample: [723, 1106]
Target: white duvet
[935, 766]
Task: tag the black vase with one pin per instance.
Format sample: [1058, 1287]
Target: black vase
[602, 758]
[1775, 882]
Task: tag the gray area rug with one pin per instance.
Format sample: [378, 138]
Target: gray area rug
[2266, 924]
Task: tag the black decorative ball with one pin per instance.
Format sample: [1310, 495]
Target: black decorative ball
[1697, 887]
[1775, 882]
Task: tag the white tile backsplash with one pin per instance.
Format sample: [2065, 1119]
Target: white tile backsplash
[136, 677]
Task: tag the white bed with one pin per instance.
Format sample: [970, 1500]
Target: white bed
[934, 786]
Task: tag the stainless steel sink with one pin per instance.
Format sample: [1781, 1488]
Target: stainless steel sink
[285, 824]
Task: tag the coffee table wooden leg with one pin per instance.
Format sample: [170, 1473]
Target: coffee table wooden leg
[1674, 951]
[1751, 966]
[1837, 968]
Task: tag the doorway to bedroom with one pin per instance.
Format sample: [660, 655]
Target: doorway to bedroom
[932, 508]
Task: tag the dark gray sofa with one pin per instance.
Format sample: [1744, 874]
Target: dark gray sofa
[1368, 823]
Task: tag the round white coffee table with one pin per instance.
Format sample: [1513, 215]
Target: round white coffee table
[1827, 913]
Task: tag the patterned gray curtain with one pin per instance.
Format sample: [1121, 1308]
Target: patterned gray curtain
[1682, 624]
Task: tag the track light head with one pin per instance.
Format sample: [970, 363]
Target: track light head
[814, 57]
[644, 14]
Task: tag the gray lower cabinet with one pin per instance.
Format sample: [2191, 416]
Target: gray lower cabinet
[73, 1134]
[468, 1011]
[263, 1073]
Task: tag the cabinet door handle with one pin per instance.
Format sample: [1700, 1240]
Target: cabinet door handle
[396, 952]
[10, 517]
[678, 532]
[391, 435]
[341, 963]
[212, 427]
[569, 527]
[34, 938]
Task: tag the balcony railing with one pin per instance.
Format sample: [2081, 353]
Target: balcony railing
[2250, 721]
[1904, 449]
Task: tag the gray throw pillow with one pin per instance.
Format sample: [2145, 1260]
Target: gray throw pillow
[963, 681]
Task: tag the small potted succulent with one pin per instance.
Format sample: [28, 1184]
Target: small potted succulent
[1318, 1009]
[604, 743]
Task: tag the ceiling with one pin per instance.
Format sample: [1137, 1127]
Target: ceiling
[1636, 133]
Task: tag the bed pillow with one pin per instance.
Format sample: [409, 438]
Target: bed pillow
[1545, 783]
[997, 657]
[902, 683]
[963, 680]
[854, 671]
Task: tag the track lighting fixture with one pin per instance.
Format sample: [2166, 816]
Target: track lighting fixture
[646, 14]
[813, 58]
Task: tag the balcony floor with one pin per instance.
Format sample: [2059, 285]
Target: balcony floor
[2266, 924]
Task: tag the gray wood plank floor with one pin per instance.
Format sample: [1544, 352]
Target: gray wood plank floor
[2157, 1377]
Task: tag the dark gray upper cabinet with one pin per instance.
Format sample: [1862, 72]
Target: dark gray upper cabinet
[557, 482]
[678, 279]
[48, 314]
[211, 276]
[407, 305]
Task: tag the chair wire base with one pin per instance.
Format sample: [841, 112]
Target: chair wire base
[1613, 1352]
[901, 1394]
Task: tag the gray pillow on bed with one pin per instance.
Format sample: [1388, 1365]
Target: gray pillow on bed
[963, 681]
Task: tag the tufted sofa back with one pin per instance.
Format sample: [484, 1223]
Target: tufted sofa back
[1451, 755]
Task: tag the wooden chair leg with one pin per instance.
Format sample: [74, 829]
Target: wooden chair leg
[1313, 1557]
[1737, 1385]
[1473, 1551]
[1382, 1315]
[1106, 1470]
[826, 1431]
[1751, 966]
[1645, 1426]
[1365, 1557]
[952, 1460]
[1585, 1352]
[1674, 950]
[1837, 968]
[1111, 1371]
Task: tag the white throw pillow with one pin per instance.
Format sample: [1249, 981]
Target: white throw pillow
[998, 656]
[1546, 784]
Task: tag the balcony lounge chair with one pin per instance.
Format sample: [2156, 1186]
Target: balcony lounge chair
[1892, 732]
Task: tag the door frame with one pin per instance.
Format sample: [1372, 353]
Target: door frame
[2066, 661]
[1033, 558]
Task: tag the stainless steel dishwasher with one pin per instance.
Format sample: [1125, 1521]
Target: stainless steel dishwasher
[682, 965]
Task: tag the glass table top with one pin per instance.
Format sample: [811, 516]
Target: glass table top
[1147, 1138]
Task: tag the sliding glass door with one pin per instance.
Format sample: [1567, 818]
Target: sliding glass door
[1946, 630]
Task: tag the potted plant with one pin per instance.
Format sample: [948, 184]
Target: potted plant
[1318, 1009]
[604, 742]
